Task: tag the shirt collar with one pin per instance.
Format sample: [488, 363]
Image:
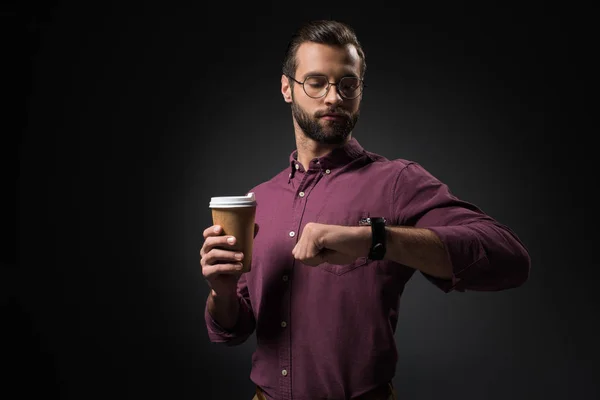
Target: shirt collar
[338, 157]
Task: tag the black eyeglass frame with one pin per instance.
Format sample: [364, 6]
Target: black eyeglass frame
[337, 88]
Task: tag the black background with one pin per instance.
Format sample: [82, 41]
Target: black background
[130, 116]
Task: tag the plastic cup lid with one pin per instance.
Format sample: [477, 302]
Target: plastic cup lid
[233, 201]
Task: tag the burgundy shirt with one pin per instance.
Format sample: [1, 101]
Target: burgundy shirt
[327, 332]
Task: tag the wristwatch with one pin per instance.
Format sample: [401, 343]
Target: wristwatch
[377, 224]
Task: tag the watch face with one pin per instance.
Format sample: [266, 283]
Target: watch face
[368, 221]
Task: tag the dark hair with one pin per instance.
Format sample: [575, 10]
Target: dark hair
[327, 32]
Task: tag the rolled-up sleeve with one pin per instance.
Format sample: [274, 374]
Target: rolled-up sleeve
[485, 254]
[244, 326]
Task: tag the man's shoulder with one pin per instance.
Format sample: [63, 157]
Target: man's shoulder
[382, 162]
[395, 168]
[407, 169]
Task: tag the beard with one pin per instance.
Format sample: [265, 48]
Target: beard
[334, 132]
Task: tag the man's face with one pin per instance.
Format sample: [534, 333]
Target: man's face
[331, 118]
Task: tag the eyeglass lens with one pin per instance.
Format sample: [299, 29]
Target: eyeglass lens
[349, 86]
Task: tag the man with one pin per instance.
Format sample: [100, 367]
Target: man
[340, 233]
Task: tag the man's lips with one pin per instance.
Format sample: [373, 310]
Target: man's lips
[333, 116]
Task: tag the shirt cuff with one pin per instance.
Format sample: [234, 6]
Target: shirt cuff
[466, 253]
[238, 333]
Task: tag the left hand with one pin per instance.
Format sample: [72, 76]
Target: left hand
[313, 248]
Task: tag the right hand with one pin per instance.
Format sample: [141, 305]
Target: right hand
[221, 266]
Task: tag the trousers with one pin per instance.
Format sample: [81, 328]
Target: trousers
[383, 392]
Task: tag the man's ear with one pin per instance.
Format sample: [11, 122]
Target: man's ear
[286, 90]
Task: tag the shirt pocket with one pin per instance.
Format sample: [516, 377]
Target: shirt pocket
[343, 269]
[344, 218]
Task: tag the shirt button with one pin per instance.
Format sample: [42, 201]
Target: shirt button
[327, 171]
[292, 234]
[284, 372]
[285, 278]
[283, 324]
[301, 194]
[297, 166]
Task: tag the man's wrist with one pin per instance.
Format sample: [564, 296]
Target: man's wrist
[364, 239]
[358, 243]
[224, 310]
[223, 298]
[377, 225]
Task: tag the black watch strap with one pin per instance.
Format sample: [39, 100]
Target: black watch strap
[377, 251]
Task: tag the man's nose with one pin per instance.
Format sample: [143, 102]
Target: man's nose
[333, 97]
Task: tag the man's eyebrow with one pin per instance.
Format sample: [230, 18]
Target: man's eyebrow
[318, 73]
[312, 73]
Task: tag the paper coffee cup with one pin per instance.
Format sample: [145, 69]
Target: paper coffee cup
[235, 214]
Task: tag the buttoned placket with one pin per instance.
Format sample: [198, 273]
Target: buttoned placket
[308, 181]
[285, 356]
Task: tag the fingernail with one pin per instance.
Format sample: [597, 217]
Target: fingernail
[238, 255]
[216, 229]
[230, 240]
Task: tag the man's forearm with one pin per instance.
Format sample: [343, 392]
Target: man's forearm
[224, 310]
[418, 248]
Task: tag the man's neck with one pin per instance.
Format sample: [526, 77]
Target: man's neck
[309, 149]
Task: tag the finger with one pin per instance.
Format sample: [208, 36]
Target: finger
[221, 241]
[212, 231]
[212, 242]
[313, 261]
[216, 256]
[222, 269]
[300, 253]
[304, 256]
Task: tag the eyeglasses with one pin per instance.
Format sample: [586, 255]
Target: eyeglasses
[316, 86]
